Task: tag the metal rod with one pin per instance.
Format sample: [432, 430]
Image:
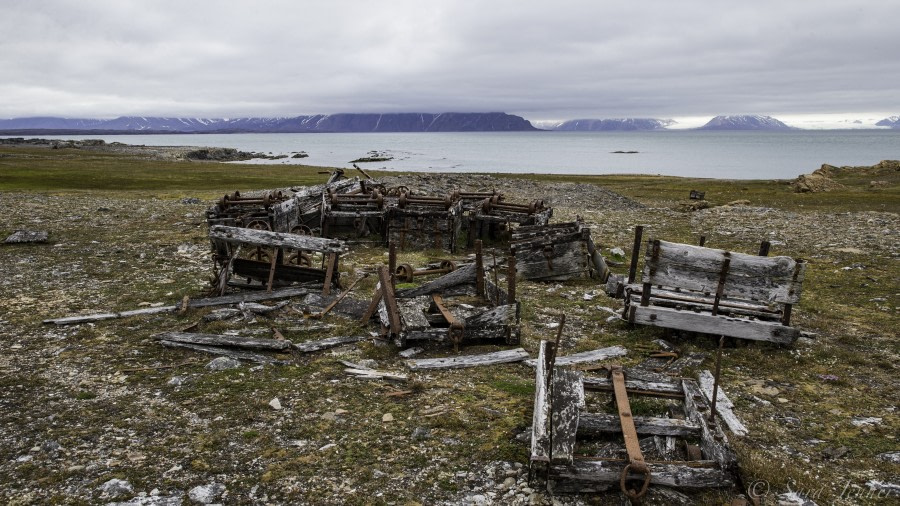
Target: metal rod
[715, 392]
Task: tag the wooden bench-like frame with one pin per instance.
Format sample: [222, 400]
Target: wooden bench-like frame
[717, 292]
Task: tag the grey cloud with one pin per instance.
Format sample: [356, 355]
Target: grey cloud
[542, 60]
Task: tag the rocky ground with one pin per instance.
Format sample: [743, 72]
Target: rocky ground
[100, 413]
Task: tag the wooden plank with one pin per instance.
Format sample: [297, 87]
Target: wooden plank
[637, 387]
[567, 401]
[412, 312]
[389, 300]
[223, 340]
[594, 475]
[586, 356]
[461, 276]
[540, 425]
[459, 362]
[330, 342]
[724, 406]
[330, 271]
[592, 425]
[771, 310]
[266, 238]
[716, 325]
[500, 316]
[284, 273]
[695, 268]
[713, 441]
[216, 350]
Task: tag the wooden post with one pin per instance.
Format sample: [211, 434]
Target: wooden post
[702, 240]
[274, 263]
[764, 248]
[720, 288]
[635, 252]
[479, 269]
[511, 280]
[329, 273]
[392, 263]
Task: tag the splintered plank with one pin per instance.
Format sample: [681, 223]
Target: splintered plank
[223, 340]
[587, 356]
[706, 323]
[331, 342]
[713, 441]
[212, 301]
[724, 406]
[276, 239]
[225, 352]
[498, 357]
[567, 394]
[461, 276]
[592, 424]
[594, 475]
[637, 387]
[540, 425]
[499, 316]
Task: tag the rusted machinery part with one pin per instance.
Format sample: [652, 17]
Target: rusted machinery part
[636, 461]
[260, 255]
[300, 258]
[259, 225]
[405, 273]
[448, 265]
[301, 230]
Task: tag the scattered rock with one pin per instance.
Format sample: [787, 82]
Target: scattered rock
[206, 494]
[815, 183]
[794, 499]
[885, 489]
[222, 314]
[176, 381]
[387, 417]
[893, 457]
[411, 352]
[421, 433]
[25, 236]
[191, 200]
[835, 453]
[223, 363]
[116, 488]
[275, 404]
[864, 421]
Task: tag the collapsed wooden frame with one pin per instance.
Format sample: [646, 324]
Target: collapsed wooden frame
[712, 291]
[557, 252]
[422, 313]
[560, 422]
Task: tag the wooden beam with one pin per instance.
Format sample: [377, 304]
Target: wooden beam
[586, 476]
[717, 325]
[265, 238]
[586, 356]
[223, 340]
[459, 362]
[591, 425]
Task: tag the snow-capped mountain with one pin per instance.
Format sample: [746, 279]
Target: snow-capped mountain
[394, 122]
[892, 122]
[745, 122]
[618, 124]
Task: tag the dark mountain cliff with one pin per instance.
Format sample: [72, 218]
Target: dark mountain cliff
[394, 122]
[745, 122]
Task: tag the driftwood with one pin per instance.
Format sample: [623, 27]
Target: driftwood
[586, 356]
[222, 340]
[195, 303]
[331, 342]
[215, 350]
[724, 406]
[499, 357]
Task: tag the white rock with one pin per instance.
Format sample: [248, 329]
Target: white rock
[116, 488]
[206, 494]
[223, 363]
[387, 417]
[275, 403]
[863, 421]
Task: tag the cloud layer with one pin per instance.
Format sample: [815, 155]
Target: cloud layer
[541, 60]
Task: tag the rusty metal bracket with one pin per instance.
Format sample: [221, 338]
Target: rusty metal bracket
[636, 461]
[457, 328]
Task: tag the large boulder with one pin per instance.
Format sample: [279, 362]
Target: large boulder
[815, 183]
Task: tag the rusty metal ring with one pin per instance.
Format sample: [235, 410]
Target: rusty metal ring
[404, 273]
[634, 495]
[448, 265]
[259, 225]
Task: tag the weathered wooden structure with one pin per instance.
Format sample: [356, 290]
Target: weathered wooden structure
[419, 222]
[358, 214]
[561, 427]
[557, 252]
[462, 305]
[712, 291]
[493, 217]
[270, 253]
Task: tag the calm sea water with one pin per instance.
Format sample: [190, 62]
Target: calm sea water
[733, 155]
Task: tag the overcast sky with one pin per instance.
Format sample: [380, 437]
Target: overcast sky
[538, 59]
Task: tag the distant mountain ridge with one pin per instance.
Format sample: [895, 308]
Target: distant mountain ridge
[745, 122]
[892, 122]
[346, 122]
[619, 124]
